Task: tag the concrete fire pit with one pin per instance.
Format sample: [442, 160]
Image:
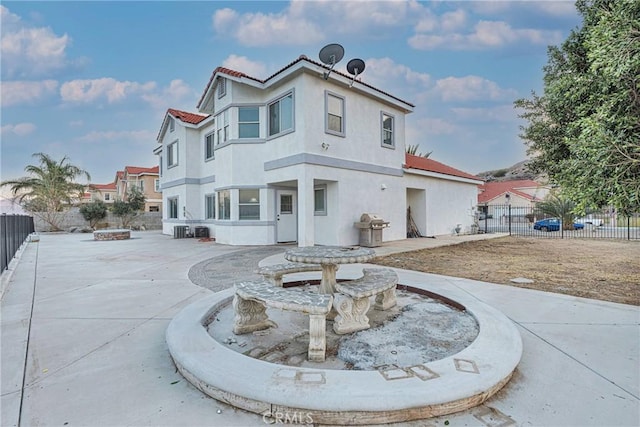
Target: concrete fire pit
[115, 234]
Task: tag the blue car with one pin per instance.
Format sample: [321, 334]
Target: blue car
[553, 224]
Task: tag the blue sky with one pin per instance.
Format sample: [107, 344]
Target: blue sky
[92, 80]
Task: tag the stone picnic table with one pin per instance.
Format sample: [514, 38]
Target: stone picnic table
[329, 257]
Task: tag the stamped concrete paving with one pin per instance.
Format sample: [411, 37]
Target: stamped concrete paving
[91, 316]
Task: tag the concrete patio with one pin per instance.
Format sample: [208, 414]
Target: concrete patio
[84, 321]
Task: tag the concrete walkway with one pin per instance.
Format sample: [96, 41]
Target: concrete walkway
[83, 326]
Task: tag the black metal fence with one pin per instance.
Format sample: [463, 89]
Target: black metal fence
[14, 230]
[528, 221]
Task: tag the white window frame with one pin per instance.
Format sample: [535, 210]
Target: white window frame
[278, 101]
[141, 185]
[156, 185]
[209, 145]
[240, 123]
[172, 151]
[107, 197]
[171, 203]
[172, 124]
[343, 103]
[254, 201]
[222, 127]
[223, 198]
[222, 87]
[320, 211]
[384, 131]
[210, 210]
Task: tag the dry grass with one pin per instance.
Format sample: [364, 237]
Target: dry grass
[599, 269]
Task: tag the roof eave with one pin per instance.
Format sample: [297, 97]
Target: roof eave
[439, 175]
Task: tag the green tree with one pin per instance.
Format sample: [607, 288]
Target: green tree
[413, 150]
[584, 131]
[49, 188]
[127, 210]
[560, 207]
[94, 212]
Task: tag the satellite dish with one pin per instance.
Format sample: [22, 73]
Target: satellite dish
[330, 55]
[355, 67]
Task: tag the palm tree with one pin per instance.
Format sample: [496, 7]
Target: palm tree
[560, 207]
[413, 150]
[50, 187]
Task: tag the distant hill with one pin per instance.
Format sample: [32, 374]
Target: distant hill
[517, 171]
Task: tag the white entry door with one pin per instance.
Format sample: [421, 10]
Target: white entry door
[286, 217]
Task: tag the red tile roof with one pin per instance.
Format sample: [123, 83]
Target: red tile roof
[429, 165]
[191, 118]
[238, 74]
[137, 170]
[110, 186]
[491, 190]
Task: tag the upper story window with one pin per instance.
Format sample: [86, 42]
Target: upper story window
[172, 154]
[222, 87]
[281, 115]
[160, 168]
[248, 122]
[208, 146]
[141, 186]
[156, 185]
[334, 114]
[172, 124]
[222, 124]
[249, 204]
[107, 197]
[388, 127]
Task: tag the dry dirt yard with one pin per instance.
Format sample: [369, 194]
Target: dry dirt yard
[606, 270]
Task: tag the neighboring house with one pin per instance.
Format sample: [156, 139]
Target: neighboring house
[147, 180]
[522, 195]
[104, 192]
[299, 158]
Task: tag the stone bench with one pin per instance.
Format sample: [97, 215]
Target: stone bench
[274, 273]
[252, 299]
[352, 301]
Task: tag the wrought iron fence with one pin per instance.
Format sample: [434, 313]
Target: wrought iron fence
[528, 221]
[14, 230]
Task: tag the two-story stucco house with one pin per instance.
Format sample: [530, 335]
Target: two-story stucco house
[299, 158]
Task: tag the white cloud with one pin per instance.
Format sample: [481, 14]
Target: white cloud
[30, 51]
[245, 65]
[19, 129]
[76, 123]
[398, 79]
[470, 88]
[556, 8]
[26, 92]
[307, 22]
[486, 34]
[173, 95]
[437, 126]
[87, 91]
[127, 135]
[499, 113]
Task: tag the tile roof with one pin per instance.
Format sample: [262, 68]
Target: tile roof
[429, 165]
[491, 190]
[137, 170]
[185, 116]
[238, 74]
[110, 186]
